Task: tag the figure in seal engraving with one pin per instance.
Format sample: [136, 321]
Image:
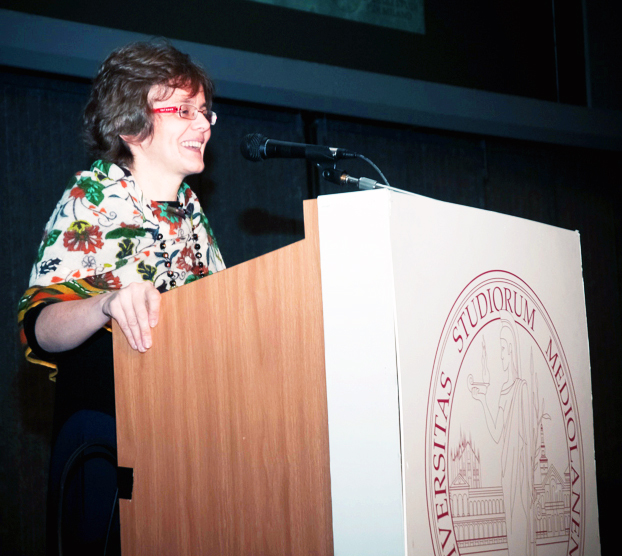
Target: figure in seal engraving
[504, 396]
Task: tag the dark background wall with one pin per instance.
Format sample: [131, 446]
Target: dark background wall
[504, 48]
[530, 48]
[255, 208]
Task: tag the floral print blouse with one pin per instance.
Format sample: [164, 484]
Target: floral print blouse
[104, 235]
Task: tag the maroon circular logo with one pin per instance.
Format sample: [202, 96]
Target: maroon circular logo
[504, 456]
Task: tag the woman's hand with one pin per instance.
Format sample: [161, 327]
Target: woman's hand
[64, 326]
[136, 308]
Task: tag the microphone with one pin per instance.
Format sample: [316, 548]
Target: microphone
[256, 147]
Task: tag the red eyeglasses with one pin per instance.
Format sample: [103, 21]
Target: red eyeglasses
[188, 112]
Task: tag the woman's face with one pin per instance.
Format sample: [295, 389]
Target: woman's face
[177, 145]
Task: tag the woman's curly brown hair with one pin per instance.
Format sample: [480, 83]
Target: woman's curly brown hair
[119, 103]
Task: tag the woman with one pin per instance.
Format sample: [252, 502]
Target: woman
[123, 233]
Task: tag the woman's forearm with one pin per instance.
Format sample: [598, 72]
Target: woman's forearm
[66, 325]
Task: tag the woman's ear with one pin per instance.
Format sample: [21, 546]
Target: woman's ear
[133, 143]
[130, 139]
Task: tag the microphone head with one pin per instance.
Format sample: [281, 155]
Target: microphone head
[250, 147]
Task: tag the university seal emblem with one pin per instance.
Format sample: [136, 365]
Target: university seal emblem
[504, 456]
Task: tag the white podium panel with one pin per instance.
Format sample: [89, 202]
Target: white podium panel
[361, 378]
[458, 380]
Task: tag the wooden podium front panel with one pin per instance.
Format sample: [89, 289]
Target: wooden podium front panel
[224, 420]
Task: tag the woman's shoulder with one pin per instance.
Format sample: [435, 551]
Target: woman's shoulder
[104, 171]
[100, 181]
[99, 204]
[96, 192]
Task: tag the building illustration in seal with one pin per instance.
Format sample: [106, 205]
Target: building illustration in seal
[479, 512]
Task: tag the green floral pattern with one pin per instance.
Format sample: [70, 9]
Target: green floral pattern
[104, 230]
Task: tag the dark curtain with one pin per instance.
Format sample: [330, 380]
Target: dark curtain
[39, 150]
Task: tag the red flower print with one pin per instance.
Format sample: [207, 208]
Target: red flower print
[81, 236]
[185, 259]
[77, 193]
[106, 281]
[168, 215]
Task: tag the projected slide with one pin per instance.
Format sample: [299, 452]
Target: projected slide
[405, 15]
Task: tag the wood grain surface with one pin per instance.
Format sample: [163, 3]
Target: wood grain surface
[224, 420]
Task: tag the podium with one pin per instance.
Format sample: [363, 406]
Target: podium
[411, 378]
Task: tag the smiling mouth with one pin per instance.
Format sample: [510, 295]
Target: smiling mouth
[191, 144]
